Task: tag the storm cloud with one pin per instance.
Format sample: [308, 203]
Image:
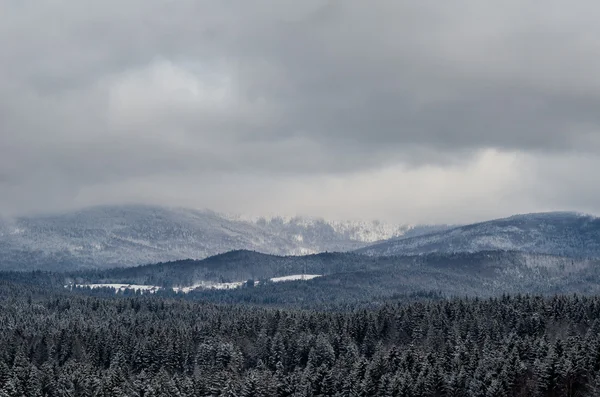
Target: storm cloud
[419, 111]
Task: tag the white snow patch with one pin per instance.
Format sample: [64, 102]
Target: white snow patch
[304, 251]
[236, 284]
[295, 277]
[206, 285]
[355, 230]
[121, 287]
[209, 285]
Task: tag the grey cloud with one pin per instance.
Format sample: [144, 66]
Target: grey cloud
[105, 92]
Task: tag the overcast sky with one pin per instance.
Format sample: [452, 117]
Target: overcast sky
[405, 111]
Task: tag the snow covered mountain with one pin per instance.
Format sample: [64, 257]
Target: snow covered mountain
[325, 235]
[110, 236]
[555, 233]
[130, 235]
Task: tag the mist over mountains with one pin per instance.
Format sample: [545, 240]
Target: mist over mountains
[113, 236]
[203, 255]
[183, 248]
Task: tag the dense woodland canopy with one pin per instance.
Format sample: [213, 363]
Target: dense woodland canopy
[389, 326]
[59, 343]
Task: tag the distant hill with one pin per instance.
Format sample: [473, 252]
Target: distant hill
[130, 235]
[125, 236]
[348, 277]
[555, 233]
[240, 265]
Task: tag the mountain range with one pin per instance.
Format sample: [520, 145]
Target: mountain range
[133, 235]
[233, 259]
[114, 236]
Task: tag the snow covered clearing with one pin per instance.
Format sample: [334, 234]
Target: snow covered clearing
[295, 277]
[198, 286]
[209, 285]
[121, 287]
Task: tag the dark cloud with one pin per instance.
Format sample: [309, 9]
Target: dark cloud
[108, 93]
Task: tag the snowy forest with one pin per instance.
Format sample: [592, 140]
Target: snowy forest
[73, 344]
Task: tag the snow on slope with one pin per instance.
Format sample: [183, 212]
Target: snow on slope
[209, 285]
[110, 236]
[198, 286]
[556, 233]
[295, 277]
[120, 287]
[361, 231]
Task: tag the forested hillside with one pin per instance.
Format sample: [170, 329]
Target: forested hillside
[554, 233]
[345, 279]
[129, 235]
[350, 277]
[72, 345]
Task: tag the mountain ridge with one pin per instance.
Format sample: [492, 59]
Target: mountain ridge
[559, 233]
[128, 235]
[352, 276]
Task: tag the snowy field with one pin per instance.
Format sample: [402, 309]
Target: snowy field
[209, 285]
[201, 285]
[295, 277]
[121, 287]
